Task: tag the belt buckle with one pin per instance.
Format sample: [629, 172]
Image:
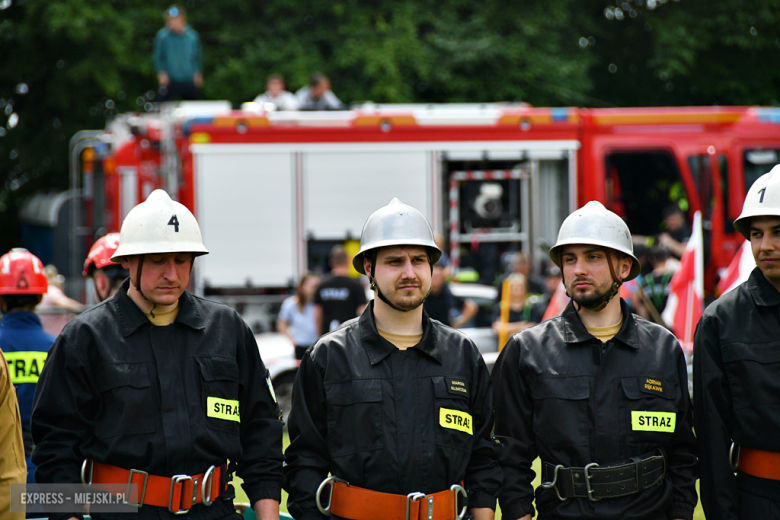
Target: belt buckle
[330, 481]
[458, 490]
[130, 482]
[205, 486]
[587, 482]
[177, 479]
[413, 497]
[554, 483]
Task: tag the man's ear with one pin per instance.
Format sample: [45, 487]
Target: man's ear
[367, 267]
[625, 267]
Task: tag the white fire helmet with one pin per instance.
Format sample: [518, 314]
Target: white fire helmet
[159, 225]
[594, 224]
[763, 199]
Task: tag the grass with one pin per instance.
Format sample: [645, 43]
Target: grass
[241, 496]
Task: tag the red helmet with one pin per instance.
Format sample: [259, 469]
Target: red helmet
[101, 252]
[21, 272]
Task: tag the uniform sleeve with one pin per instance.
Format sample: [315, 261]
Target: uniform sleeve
[307, 454]
[682, 464]
[261, 426]
[712, 399]
[483, 474]
[62, 414]
[514, 429]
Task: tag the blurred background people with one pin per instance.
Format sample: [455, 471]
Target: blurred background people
[317, 95]
[523, 312]
[56, 309]
[22, 338]
[276, 93]
[338, 298]
[177, 58]
[106, 275]
[297, 319]
[653, 288]
[442, 305]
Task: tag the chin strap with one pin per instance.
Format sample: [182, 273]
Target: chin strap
[375, 287]
[138, 272]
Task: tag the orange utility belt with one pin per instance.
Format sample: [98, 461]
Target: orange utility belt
[357, 503]
[759, 463]
[178, 493]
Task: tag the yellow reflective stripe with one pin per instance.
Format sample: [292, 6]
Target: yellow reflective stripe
[226, 409]
[653, 421]
[25, 367]
[455, 420]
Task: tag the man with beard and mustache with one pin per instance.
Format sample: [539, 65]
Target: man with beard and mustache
[600, 395]
[396, 407]
[736, 374]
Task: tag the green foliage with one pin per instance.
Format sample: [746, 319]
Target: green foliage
[69, 65]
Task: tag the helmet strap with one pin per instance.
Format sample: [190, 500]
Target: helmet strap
[375, 287]
[138, 272]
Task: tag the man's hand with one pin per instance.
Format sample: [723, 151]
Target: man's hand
[197, 78]
[163, 78]
[482, 513]
[526, 517]
[266, 509]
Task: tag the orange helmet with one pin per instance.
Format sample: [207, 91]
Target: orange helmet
[101, 252]
[21, 272]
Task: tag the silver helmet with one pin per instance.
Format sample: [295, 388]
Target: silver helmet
[395, 225]
[763, 199]
[594, 224]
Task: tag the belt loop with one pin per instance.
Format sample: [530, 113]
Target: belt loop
[640, 485]
[413, 497]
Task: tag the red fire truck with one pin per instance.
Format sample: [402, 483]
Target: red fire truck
[273, 191]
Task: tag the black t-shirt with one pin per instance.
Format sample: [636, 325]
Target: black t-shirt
[339, 297]
[439, 306]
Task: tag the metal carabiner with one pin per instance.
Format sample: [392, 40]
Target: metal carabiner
[330, 481]
[734, 464]
[587, 481]
[91, 464]
[458, 489]
[554, 483]
[205, 487]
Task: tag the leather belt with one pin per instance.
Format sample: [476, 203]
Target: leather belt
[178, 493]
[595, 482]
[759, 463]
[357, 503]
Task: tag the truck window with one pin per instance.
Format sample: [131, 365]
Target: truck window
[757, 162]
[702, 178]
[644, 183]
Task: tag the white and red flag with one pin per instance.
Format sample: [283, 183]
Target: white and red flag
[739, 269]
[558, 303]
[686, 297]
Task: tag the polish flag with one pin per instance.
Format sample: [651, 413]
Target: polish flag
[739, 270]
[686, 297]
[558, 302]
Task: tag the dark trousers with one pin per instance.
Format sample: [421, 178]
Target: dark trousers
[178, 90]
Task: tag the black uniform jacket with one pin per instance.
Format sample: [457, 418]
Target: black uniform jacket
[119, 390]
[568, 398]
[391, 420]
[736, 390]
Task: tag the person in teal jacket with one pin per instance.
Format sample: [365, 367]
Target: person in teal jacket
[177, 57]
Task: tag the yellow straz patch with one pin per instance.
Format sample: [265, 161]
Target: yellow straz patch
[25, 367]
[653, 421]
[455, 420]
[225, 409]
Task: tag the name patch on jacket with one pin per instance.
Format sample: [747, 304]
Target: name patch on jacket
[653, 421]
[654, 386]
[25, 367]
[455, 420]
[225, 409]
[457, 386]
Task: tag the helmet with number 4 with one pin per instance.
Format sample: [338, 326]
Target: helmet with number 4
[159, 225]
[763, 199]
[21, 272]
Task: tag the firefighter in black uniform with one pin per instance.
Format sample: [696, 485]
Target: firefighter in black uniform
[160, 388]
[600, 395]
[395, 406]
[736, 375]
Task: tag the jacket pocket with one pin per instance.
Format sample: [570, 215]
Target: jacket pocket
[650, 416]
[219, 384]
[129, 404]
[454, 423]
[561, 411]
[752, 366]
[354, 416]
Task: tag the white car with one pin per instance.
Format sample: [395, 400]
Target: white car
[278, 354]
